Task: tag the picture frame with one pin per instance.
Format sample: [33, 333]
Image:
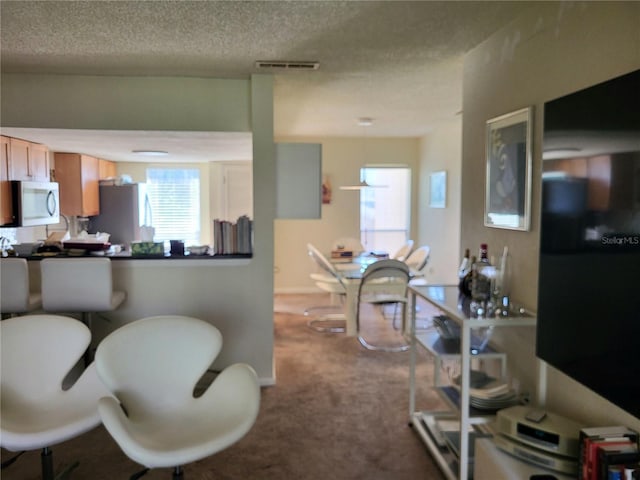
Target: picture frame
[508, 171]
[438, 189]
[326, 190]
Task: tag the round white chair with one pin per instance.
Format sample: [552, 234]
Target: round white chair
[152, 367]
[37, 354]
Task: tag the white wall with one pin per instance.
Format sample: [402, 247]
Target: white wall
[126, 103]
[440, 227]
[557, 48]
[342, 159]
[237, 297]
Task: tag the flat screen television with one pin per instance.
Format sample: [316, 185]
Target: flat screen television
[589, 283]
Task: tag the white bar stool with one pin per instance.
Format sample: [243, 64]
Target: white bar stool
[79, 285]
[15, 295]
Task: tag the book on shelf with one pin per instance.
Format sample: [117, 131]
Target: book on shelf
[233, 238]
[616, 457]
[593, 439]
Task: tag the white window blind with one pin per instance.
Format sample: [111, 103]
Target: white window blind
[174, 194]
[385, 212]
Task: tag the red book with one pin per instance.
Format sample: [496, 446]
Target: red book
[589, 439]
[592, 448]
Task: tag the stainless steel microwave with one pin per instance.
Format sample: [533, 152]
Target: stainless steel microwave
[35, 203]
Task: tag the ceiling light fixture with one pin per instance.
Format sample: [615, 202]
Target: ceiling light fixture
[362, 122]
[151, 153]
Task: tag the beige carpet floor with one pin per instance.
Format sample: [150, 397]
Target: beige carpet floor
[337, 411]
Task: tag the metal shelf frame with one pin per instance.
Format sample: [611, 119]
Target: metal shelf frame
[447, 299]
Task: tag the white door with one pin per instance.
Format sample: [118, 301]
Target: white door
[237, 189]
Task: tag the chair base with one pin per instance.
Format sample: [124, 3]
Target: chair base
[12, 460]
[139, 474]
[331, 323]
[382, 348]
[178, 474]
[309, 310]
[47, 467]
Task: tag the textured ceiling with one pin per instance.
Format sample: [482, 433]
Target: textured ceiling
[397, 62]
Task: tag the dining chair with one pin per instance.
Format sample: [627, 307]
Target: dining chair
[403, 252]
[15, 294]
[383, 283]
[329, 281]
[418, 259]
[39, 410]
[152, 366]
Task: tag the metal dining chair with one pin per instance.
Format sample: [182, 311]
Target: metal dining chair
[417, 260]
[329, 281]
[403, 252]
[383, 283]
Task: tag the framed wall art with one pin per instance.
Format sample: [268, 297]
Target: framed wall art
[438, 189]
[508, 180]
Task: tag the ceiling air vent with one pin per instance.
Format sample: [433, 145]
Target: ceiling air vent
[286, 65]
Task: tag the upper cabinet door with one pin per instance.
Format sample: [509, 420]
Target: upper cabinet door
[78, 178]
[90, 186]
[39, 162]
[298, 180]
[6, 210]
[106, 168]
[19, 160]
[28, 161]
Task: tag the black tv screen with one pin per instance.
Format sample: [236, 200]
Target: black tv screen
[589, 278]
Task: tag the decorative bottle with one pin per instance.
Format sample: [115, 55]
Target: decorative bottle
[464, 265]
[480, 281]
[464, 274]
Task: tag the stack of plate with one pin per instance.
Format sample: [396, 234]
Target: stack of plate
[488, 393]
[493, 396]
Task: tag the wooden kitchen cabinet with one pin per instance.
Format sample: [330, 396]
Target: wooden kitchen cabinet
[39, 162]
[28, 161]
[78, 176]
[6, 209]
[106, 169]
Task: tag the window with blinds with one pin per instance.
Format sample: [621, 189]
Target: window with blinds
[174, 194]
[385, 209]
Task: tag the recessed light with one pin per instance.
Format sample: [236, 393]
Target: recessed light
[151, 153]
[365, 121]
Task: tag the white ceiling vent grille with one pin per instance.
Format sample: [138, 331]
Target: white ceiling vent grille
[286, 65]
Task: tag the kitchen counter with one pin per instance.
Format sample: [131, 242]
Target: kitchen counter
[220, 289]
